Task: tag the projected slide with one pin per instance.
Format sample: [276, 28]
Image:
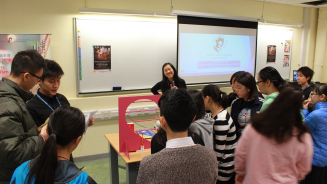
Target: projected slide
[211, 54]
[214, 53]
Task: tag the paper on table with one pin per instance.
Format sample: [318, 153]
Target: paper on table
[87, 119]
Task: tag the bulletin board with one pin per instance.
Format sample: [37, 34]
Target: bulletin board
[274, 48]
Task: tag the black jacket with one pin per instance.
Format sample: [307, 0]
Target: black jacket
[40, 111]
[157, 87]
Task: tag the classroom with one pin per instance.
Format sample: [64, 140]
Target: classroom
[308, 24]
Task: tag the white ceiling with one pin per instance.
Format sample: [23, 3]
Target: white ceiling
[293, 2]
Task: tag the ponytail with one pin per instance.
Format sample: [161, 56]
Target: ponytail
[282, 84]
[65, 125]
[45, 167]
[224, 100]
[216, 95]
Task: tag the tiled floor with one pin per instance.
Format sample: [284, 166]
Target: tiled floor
[99, 170]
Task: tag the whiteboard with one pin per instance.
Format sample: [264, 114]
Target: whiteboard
[139, 48]
[273, 36]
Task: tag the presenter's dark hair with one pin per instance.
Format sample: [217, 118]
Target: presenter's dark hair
[65, 125]
[53, 69]
[216, 95]
[307, 72]
[248, 81]
[281, 117]
[27, 61]
[270, 73]
[164, 82]
[178, 108]
[234, 76]
[200, 109]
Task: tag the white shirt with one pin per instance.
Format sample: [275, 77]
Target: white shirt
[180, 142]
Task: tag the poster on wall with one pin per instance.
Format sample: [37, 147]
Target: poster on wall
[286, 61]
[287, 47]
[11, 44]
[271, 53]
[102, 57]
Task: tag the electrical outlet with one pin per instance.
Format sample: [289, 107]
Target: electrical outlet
[139, 113]
[146, 112]
[114, 114]
[98, 115]
[106, 115]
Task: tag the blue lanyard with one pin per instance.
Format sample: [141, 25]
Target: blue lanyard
[46, 102]
[305, 87]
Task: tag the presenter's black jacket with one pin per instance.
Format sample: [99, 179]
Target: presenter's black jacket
[157, 87]
[306, 92]
[40, 111]
[156, 147]
[19, 138]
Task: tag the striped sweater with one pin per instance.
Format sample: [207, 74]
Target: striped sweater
[224, 144]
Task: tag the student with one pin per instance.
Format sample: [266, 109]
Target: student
[47, 99]
[317, 123]
[276, 147]
[224, 132]
[19, 139]
[170, 79]
[309, 101]
[181, 161]
[248, 102]
[304, 76]
[66, 127]
[203, 123]
[233, 95]
[270, 83]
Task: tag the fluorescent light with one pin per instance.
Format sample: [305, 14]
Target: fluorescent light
[124, 12]
[212, 15]
[276, 23]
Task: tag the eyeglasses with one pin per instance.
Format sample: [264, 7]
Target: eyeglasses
[312, 94]
[38, 78]
[258, 82]
[237, 89]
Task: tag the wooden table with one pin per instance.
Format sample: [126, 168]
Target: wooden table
[131, 164]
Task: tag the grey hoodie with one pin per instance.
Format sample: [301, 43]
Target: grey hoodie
[204, 128]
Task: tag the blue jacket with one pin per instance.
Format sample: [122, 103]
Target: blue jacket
[317, 123]
[66, 172]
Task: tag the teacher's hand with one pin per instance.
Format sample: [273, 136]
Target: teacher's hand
[174, 87]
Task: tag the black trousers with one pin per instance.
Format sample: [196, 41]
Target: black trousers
[318, 175]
